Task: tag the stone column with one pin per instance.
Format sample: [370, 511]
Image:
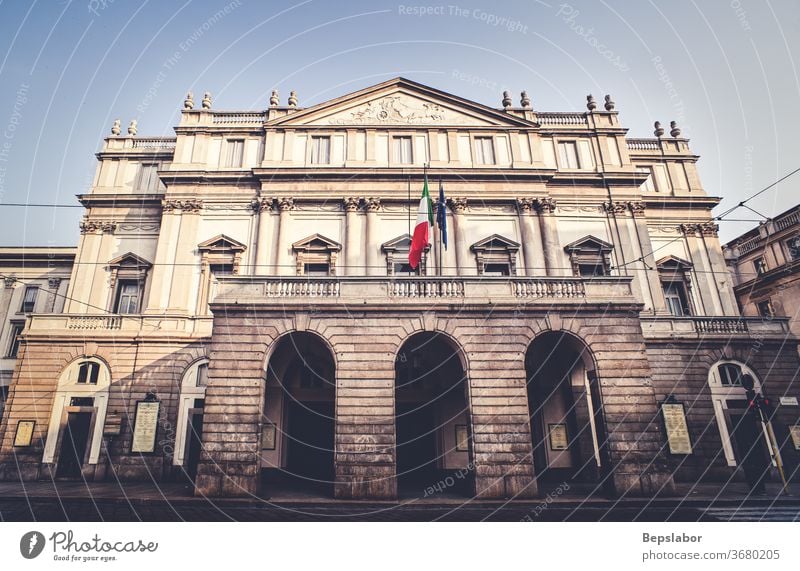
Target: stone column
[651, 283]
[165, 257]
[721, 275]
[282, 257]
[553, 261]
[53, 284]
[263, 207]
[627, 249]
[708, 299]
[352, 248]
[458, 206]
[372, 206]
[184, 258]
[532, 252]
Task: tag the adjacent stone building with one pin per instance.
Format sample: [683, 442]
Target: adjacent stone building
[765, 264]
[241, 312]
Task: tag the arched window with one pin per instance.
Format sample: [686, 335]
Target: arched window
[729, 399]
[192, 400]
[78, 415]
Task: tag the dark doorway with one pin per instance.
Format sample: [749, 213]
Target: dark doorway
[311, 433]
[73, 445]
[299, 420]
[751, 449]
[430, 411]
[195, 439]
[567, 426]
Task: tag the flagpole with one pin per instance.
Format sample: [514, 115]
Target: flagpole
[438, 210]
[409, 206]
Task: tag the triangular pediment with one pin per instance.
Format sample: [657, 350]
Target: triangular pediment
[401, 243]
[316, 242]
[673, 262]
[400, 102]
[221, 242]
[589, 244]
[496, 242]
[129, 260]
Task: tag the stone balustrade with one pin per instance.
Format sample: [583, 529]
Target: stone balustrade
[714, 326]
[547, 118]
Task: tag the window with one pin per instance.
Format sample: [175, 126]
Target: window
[402, 151]
[88, 373]
[765, 308]
[649, 184]
[591, 270]
[202, 375]
[316, 269]
[484, 151]
[568, 153]
[793, 245]
[404, 269]
[234, 153]
[730, 374]
[147, 177]
[494, 269]
[760, 265]
[128, 294]
[219, 270]
[676, 298]
[320, 150]
[16, 331]
[29, 300]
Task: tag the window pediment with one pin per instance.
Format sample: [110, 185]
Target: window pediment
[588, 244]
[221, 243]
[396, 251]
[496, 255]
[590, 256]
[316, 243]
[316, 255]
[673, 263]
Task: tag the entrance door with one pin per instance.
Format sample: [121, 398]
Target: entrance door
[416, 445]
[194, 441]
[311, 441]
[73, 445]
[752, 452]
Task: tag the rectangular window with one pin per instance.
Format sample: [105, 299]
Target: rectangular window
[496, 269]
[760, 265]
[589, 270]
[484, 151]
[402, 151]
[234, 153]
[202, 375]
[793, 245]
[403, 269]
[147, 177]
[320, 150]
[568, 153]
[649, 184]
[316, 269]
[88, 373]
[677, 300]
[765, 308]
[13, 346]
[29, 300]
[128, 294]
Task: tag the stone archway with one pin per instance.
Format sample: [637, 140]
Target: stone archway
[298, 420]
[432, 420]
[565, 410]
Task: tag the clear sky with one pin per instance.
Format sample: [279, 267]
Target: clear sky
[726, 70]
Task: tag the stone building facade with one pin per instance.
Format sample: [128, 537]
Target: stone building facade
[250, 277]
[765, 264]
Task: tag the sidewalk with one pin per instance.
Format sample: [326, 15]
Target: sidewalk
[138, 492]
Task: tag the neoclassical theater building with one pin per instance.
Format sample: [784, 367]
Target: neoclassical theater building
[240, 312]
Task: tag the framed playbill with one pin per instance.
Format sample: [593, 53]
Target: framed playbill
[145, 426]
[24, 434]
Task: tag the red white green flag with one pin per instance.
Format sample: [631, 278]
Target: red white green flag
[424, 228]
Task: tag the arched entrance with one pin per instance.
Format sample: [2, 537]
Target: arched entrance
[298, 422]
[567, 428]
[433, 444]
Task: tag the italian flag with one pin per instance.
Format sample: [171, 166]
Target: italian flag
[424, 228]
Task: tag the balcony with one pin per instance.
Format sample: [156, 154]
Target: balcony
[386, 291]
[714, 327]
[117, 326]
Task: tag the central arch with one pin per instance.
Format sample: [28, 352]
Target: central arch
[432, 420]
[565, 408]
[298, 420]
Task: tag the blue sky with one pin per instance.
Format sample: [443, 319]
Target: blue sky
[727, 70]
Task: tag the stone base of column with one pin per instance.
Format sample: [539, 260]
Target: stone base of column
[365, 483]
[512, 486]
[643, 485]
[229, 481]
